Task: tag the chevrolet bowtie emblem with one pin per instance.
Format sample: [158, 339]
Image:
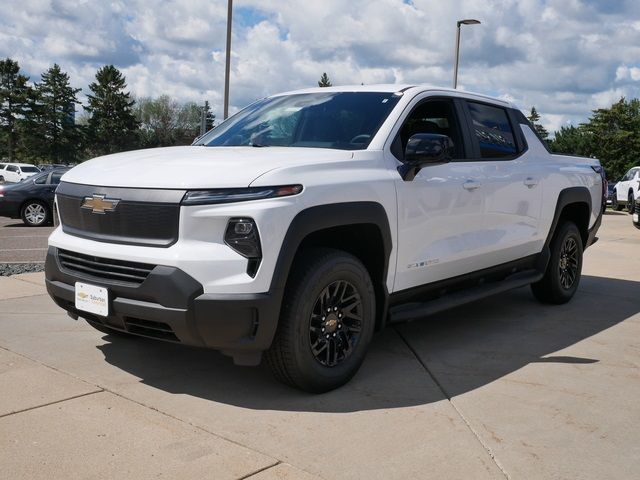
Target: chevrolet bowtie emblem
[99, 204]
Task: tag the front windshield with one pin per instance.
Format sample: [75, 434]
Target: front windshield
[340, 120]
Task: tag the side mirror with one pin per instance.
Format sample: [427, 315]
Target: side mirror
[425, 149]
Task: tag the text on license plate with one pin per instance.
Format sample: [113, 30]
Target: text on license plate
[92, 299]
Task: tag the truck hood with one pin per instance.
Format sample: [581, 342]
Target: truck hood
[195, 166]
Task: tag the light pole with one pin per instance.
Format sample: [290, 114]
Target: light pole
[469, 21]
[227, 70]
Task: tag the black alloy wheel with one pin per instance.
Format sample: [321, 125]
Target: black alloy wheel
[336, 323]
[568, 265]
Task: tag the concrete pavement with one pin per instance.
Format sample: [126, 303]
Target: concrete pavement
[22, 244]
[502, 388]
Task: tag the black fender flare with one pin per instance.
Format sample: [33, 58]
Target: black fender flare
[567, 196]
[322, 217]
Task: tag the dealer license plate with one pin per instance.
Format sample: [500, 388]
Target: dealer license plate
[92, 299]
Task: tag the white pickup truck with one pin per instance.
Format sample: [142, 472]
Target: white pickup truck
[311, 219]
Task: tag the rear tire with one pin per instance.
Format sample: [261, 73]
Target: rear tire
[326, 323]
[35, 213]
[562, 277]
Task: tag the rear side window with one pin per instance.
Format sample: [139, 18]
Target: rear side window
[12, 168]
[41, 180]
[493, 131]
[55, 177]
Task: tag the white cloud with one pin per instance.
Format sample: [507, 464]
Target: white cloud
[566, 57]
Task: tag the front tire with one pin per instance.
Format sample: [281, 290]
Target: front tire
[326, 324]
[630, 203]
[562, 277]
[614, 203]
[35, 213]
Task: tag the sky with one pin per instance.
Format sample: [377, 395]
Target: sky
[565, 57]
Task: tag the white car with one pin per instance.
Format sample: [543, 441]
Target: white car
[310, 219]
[16, 172]
[626, 190]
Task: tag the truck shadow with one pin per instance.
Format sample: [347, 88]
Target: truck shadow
[408, 364]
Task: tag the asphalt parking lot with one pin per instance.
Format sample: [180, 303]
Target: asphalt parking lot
[502, 388]
[22, 244]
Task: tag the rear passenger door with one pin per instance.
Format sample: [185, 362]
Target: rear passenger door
[512, 185]
[12, 173]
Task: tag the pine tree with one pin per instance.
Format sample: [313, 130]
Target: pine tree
[210, 117]
[112, 126]
[15, 96]
[324, 81]
[534, 118]
[55, 106]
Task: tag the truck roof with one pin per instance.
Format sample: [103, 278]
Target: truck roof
[393, 88]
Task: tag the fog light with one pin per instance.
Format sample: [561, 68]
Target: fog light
[242, 236]
[243, 227]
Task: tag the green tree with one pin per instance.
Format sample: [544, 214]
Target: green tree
[51, 123]
[165, 122]
[614, 136]
[534, 118]
[324, 81]
[189, 123]
[572, 141]
[210, 118]
[113, 126]
[157, 119]
[15, 95]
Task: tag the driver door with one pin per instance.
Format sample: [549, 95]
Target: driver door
[440, 211]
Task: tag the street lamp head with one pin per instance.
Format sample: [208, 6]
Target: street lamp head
[469, 21]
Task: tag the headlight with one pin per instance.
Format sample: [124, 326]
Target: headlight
[230, 195]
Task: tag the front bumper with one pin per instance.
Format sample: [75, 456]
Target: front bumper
[170, 305]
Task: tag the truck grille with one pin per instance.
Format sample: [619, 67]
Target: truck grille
[103, 268]
[140, 216]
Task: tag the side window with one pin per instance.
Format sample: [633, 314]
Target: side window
[12, 168]
[41, 180]
[492, 130]
[55, 178]
[433, 116]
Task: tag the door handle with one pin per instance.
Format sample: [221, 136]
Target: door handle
[530, 182]
[471, 185]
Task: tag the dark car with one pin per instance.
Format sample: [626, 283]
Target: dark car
[611, 186]
[636, 213]
[31, 199]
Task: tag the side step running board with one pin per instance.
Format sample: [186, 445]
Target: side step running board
[414, 310]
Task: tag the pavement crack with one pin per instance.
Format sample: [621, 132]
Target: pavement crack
[486, 447]
[260, 470]
[51, 403]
